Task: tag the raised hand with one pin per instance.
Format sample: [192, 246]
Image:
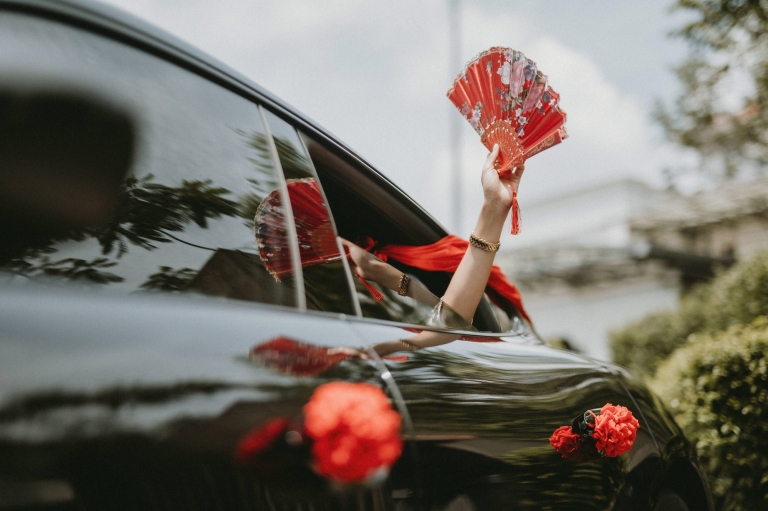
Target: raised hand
[361, 261]
[499, 192]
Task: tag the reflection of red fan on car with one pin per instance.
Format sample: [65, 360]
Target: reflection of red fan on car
[508, 101]
[299, 358]
[294, 357]
[316, 238]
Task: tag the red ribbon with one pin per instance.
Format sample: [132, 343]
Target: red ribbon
[515, 214]
[445, 255]
[374, 292]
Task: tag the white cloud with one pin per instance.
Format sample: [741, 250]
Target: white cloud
[599, 116]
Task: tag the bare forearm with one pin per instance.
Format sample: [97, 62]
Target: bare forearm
[388, 276]
[468, 283]
[425, 339]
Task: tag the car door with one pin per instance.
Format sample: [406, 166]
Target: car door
[483, 410]
[143, 340]
[126, 403]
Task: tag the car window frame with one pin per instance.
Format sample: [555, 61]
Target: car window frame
[295, 254]
[298, 274]
[344, 260]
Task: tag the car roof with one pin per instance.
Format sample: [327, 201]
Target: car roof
[116, 23]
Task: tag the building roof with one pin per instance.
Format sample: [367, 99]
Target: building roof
[729, 201]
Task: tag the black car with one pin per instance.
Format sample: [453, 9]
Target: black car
[134, 297]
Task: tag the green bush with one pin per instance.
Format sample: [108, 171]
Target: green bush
[717, 387]
[641, 346]
[736, 296]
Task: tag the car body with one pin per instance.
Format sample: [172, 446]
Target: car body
[125, 378]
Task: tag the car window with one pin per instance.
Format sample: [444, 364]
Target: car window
[202, 167]
[326, 278]
[369, 214]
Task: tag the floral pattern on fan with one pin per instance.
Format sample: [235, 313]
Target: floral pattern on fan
[505, 96]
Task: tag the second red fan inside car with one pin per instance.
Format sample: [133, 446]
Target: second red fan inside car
[314, 232]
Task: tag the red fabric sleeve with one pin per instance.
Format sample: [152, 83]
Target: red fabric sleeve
[445, 255]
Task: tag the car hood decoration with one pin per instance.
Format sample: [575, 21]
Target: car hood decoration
[349, 434]
[609, 431]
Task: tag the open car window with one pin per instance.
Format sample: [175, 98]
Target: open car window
[367, 209]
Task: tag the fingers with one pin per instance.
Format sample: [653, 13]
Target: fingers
[346, 245]
[492, 157]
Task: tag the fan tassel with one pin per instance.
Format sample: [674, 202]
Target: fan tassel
[515, 214]
[374, 292]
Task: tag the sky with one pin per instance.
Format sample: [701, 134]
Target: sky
[375, 74]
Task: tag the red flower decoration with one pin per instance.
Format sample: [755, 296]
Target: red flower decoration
[570, 445]
[564, 440]
[611, 433]
[615, 430]
[355, 431]
[259, 440]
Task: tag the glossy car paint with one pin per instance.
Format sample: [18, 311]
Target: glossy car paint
[137, 402]
[126, 403]
[483, 411]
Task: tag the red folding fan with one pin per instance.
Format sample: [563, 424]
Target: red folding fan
[508, 101]
[317, 240]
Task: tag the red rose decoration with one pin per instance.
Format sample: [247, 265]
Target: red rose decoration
[259, 440]
[610, 432]
[569, 444]
[615, 430]
[355, 431]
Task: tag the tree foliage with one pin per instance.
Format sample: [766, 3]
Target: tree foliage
[147, 211]
[146, 214]
[722, 110]
[717, 387]
[736, 296]
[169, 279]
[79, 270]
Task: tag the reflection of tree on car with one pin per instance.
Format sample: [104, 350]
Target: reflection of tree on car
[146, 214]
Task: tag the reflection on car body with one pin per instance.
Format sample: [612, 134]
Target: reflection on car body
[133, 292]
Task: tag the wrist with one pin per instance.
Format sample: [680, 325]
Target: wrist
[494, 209]
[490, 223]
[374, 270]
